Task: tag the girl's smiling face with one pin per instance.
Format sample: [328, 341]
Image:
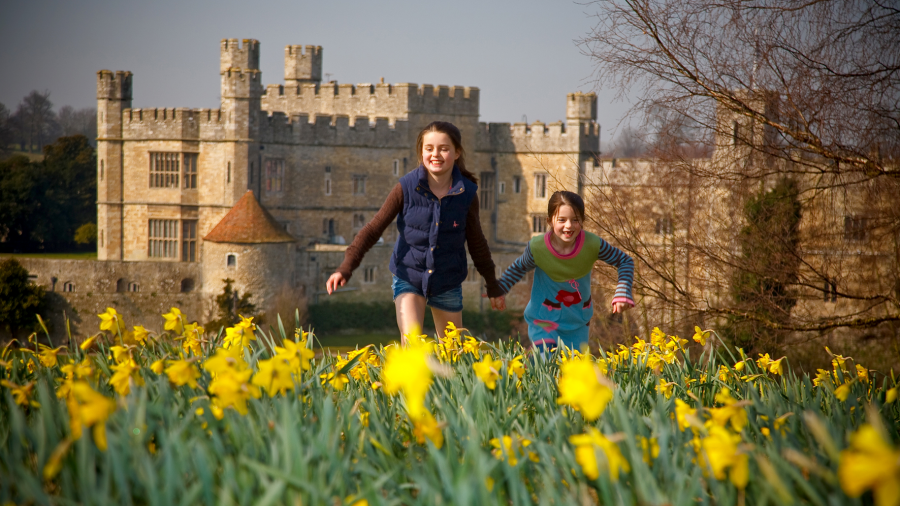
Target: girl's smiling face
[566, 224]
[438, 153]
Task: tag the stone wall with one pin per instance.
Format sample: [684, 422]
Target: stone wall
[82, 289]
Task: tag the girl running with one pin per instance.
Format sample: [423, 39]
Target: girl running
[436, 207]
[560, 308]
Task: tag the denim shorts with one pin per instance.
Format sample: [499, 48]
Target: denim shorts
[449, 301]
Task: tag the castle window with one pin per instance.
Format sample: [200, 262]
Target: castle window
[538, 223]
[396, 167]
[359, 221]
[487, 190]
[228, 174]
[540, 186]
[664, 226]
[163, 239]
[231, 260]
[133, 287]
[164, 170]
[369, 275]
[274, 175]
[830, 291]
[327, 180]
[120, 285]
[101, 239]
[187, 285]
[189, 240]
[855, 228]
[735, 133]
[190, 170]
[250, 175]
[68, 286]
[101, 170]
[359, 184]
[517, 184]
[502, 187]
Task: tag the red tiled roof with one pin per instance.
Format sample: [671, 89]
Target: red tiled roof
[248, 223]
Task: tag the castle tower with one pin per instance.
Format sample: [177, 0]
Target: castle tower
[302, 67]
[581, 119]
[113, 96]
[233, 55]
[241, 93]
[250, 247]
[581, 107]
[737, 132]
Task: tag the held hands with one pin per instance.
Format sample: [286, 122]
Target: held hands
[498, 303]
[335, 281]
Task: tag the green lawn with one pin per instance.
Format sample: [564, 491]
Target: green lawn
[86, 255]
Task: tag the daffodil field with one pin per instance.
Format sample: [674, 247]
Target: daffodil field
[251, 416]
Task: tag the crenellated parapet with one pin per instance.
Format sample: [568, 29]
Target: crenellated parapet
[393, 101]
[539, 137]
[333, 130]
[241, 83]
[160, 123]
[233, 55]
[581, 106]
[114, 85]
[302, 65]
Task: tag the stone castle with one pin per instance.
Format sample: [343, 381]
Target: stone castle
[307, 163]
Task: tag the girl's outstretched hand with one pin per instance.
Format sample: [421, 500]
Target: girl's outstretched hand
[498, 303]
[335, 281]
[620, 307]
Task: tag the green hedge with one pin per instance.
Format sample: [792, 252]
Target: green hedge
[381, 316]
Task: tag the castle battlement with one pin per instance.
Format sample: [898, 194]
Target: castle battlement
[539, 137]
[302, 64]
[233, 55]
[114, 85]
[333, 130]
[161, 123]
[395, 101]
[241, 83]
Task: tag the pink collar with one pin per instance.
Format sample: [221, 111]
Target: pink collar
[579, 242]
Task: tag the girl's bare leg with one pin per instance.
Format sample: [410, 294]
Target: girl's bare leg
[410, 314]
[442, 317]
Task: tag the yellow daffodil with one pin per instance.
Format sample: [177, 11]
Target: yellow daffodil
[193, 336]
[337, 381]
[120, 353]
[488, 371]
[231, 389]
[723, 373]
[297, 355]
[240, 335]
[275, 375]
[225, 360]
[649, 448]
[657, 337]
[126, 371]
[111, 321]
[158, 365]
[890, 396]
[425, 426]
[174, 321]
[88, 408]
[862, 373]
[682, 412]
[666, 388]
[182, 372]
[700, 336]
[721, 454]
[775, 366]
[48, 355]
[54, 463]
[583, 387]
[739, 366]
[511, 448]
[472, 346]
[516, 366]
[139, 336]
[21, 394]
[406, 371]
[763, 361]
[732, 412]
[822, 376]
[586, 446]
[87, 343]
[843, 391]
[870, 463]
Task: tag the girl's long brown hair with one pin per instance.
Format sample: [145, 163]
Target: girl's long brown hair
[564, 198]
[455, 137]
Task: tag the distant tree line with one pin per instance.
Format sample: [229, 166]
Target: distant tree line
[50, 205]
[34, 124]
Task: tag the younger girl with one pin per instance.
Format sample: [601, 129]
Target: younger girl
[560, 308]
[437, 212]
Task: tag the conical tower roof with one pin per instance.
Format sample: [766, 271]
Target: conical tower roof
[248, 223]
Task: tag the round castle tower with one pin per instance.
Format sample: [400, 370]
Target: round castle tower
[250, 247]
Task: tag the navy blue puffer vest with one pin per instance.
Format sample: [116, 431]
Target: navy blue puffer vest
[430, 252]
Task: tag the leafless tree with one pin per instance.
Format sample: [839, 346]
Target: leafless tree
[35, 120]
[78, 121]
[744, 93]
[6, 135]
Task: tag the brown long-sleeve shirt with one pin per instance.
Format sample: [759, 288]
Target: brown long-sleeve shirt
[369, 235]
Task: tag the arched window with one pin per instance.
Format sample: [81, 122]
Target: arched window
[187, 285]
[133, 287]
[231, 260]
[68, 286]
[120, 285]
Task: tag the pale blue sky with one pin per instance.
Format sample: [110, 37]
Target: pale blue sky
[521, 54]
